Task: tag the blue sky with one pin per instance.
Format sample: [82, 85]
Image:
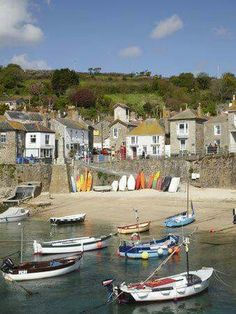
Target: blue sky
[167, 37]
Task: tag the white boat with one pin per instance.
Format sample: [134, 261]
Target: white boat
[131, 183]
[123, 183]
[68, 219]
[174, 185]
[168, 288]
[115, 185]
[71, 245]
[102, 188]
[14, 214]
[39, 270]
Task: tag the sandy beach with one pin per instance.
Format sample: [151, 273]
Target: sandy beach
[213, 207]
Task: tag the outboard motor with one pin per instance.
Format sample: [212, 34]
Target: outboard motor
[108, 283]
[7, 265]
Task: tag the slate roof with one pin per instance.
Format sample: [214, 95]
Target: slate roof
[24, 116]
[148, 127]
[72, 124]
[6, 125]
[36, 127]
[121, 105]
[188, 114]
[221, 118]
[127, 124]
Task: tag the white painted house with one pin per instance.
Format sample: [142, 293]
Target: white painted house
[39, 141]
[73, 134]
[146, 139]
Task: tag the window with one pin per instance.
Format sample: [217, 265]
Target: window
[154, 150]
[71, 134]
[182, 145]
[47, 139]
[145, 149]
[46, 153]
[217, 142]
[217, 130]
[3, 138]
[115, 133]
[183, 129]
[155, 139]
[134, 140]
[32, 138]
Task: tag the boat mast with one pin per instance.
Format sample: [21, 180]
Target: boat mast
[21, 241]
[188, 196]
[186, 243]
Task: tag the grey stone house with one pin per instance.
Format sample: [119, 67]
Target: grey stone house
[232, 126]
[216, 134]
[187, 132]
[12, 140]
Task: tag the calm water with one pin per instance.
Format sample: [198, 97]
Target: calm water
[82, 290]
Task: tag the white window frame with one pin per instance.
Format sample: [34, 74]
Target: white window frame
[115, 133]
[217, 129]
[3, 138]
[145, 149]
[33, 138]
[47, 139]
[154, 150]
[184, 130]
[180, 145]
[155, 139]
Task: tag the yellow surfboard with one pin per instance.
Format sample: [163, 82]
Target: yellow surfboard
[84, 187]
[81, 182]
[154, 182]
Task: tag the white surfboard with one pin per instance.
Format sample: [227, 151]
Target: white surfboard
[123, 183]
[174, 184]
[131, 183]
[73, 185]
[115, 185]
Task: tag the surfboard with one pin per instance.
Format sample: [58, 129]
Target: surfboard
[159, 184]
[115, 185]
[73, 185]
[154, 182]
[138, 182]
[142, 179]
[81, 182]
[151, 177]
[84, 186]
[131, 183]
[89, 182]
[174, 184]
[123, 183]
[166, 183]
[78, 183]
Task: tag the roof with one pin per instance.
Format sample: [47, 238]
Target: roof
[127, 124]
[36, 127]
[188, 114]
[221, 118]
[24, 116]
[7, 125]
[72, 124]
[148, 127]
[120, 105]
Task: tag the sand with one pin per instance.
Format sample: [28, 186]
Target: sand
[213, 207]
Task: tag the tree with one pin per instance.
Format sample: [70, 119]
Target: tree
[83, 97]
[11, 76]
[203, 81]
[3, 108]
[63, 79]
[184, 80]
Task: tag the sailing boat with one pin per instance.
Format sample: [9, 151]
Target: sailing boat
[135, 228]
[182, 219]
[175, 287]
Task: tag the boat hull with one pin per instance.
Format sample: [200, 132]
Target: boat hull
[68, 219]
[167, 293]
[172, 223]
[142, 227]
[82, 246]
[23, 275]
[14, 218]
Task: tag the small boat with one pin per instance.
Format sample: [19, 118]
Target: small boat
[71, 219]
[138, 227]
[39, 270]
[72, 245]
[102, 188]
[14, 214]
[123, 183]
[115, 185]
[182, 219]
[169, 288]
[131, 183]
[149, 249]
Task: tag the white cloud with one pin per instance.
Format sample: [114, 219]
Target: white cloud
[25, 63]
[17, 24]
[130, 52]
[223, 32]
[167, 27]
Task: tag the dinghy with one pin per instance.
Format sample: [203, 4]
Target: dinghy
[115, 185]
[131, 183]
[174, 185]
[72, 245]
[14, 214]
[182, 219]
[138, 227]
[39, 270]
[169, 288]
[123, 183]
[71, 219]
[102, 188]
[150, 249]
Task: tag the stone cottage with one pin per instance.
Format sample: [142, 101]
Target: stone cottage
[147, 139]
[187, 132]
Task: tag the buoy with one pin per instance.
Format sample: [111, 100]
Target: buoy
[145, 255]
[170, 250]
[160, 251]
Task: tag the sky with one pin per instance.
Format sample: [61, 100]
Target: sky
[166, 37]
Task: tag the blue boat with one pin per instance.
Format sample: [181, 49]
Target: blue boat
[181, 219]
[153, 248]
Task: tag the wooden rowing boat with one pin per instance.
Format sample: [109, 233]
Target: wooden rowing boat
[71, 219]
[138, 227]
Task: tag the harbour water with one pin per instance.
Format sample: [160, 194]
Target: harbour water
[82, 292]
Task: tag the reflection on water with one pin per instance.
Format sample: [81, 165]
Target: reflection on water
[82, 290]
